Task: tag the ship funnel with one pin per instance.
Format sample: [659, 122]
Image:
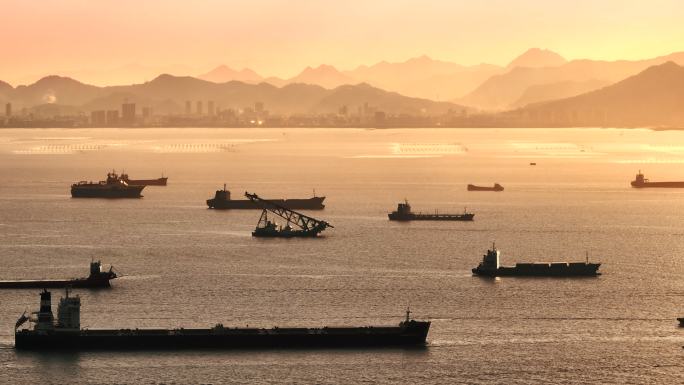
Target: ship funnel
[45, 317]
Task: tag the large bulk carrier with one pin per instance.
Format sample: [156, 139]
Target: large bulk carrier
[66, 334]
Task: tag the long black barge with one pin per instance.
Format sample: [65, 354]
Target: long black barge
[404, 213]
[96, 279]
[66, 334]
[490, 267]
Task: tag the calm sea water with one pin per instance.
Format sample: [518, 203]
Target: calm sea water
[185, 265]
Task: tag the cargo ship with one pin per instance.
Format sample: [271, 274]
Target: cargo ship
[222, 201]
[97, 279]
[144, 182]
[490, 267]
[496, 187]
[641, 182]
[404, 213]
[66, 333]
[113, 187]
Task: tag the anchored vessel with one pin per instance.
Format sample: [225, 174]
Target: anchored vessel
[66, 334]
[298, 224]
[641, 182]
[490, 267]
[497, 187]
[113, 187]
[97, 278]
[222, 201]
[681, 321]
[404, 213]
[145, 182]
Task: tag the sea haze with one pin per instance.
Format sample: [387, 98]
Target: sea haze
[186, 265]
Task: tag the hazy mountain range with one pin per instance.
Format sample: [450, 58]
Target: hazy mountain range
[539, 79]
[653, 97]
[167, 94]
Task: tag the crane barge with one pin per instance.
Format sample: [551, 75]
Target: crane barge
[298, 224]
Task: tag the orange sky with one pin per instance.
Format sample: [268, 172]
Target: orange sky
[88, 38]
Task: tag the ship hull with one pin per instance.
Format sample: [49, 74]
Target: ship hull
[314, 203]
[228, 338]
[430, 217]
[107, 192]
[60, 283]
[543, 270]
[636, 184]
[147, 182]
[472, 187]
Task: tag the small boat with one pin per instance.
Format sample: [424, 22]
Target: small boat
[496, 187]
[681, 321]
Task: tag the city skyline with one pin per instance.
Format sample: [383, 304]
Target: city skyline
[105, 41]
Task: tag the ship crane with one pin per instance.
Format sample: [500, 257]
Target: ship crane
[298, 224]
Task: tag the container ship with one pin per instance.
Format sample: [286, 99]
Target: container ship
[404, 213]
[496, 187]
[97, 279]
[641, 182]
[113, 187]
[144, 182]
[66, 334]
[490, 267]
[222, 201]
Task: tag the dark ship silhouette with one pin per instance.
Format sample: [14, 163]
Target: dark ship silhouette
[97, 278]
[113, 187]
[490, 267]
[144, 182]
[641, 182]
[298, 224]
[222, 201]
[66, 334]
[497, 187]
[404, 213]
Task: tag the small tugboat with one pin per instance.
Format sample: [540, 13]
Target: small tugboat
[96, 279]
[304, 226]
[641, 182]
[66, 333]
[497, 187]
[681, 322]
[222, 201]
[113, 187]
[144, 182]
[404, 213]
[490, 267]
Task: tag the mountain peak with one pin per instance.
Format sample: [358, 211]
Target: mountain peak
[223, 73]
[537, 58]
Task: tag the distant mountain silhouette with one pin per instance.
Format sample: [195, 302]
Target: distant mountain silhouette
[653, 97]
[551, 91]
[425, 77]
[503, 91]
[537, 58]
[325, 76]
[168, 94]
[223, 73]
